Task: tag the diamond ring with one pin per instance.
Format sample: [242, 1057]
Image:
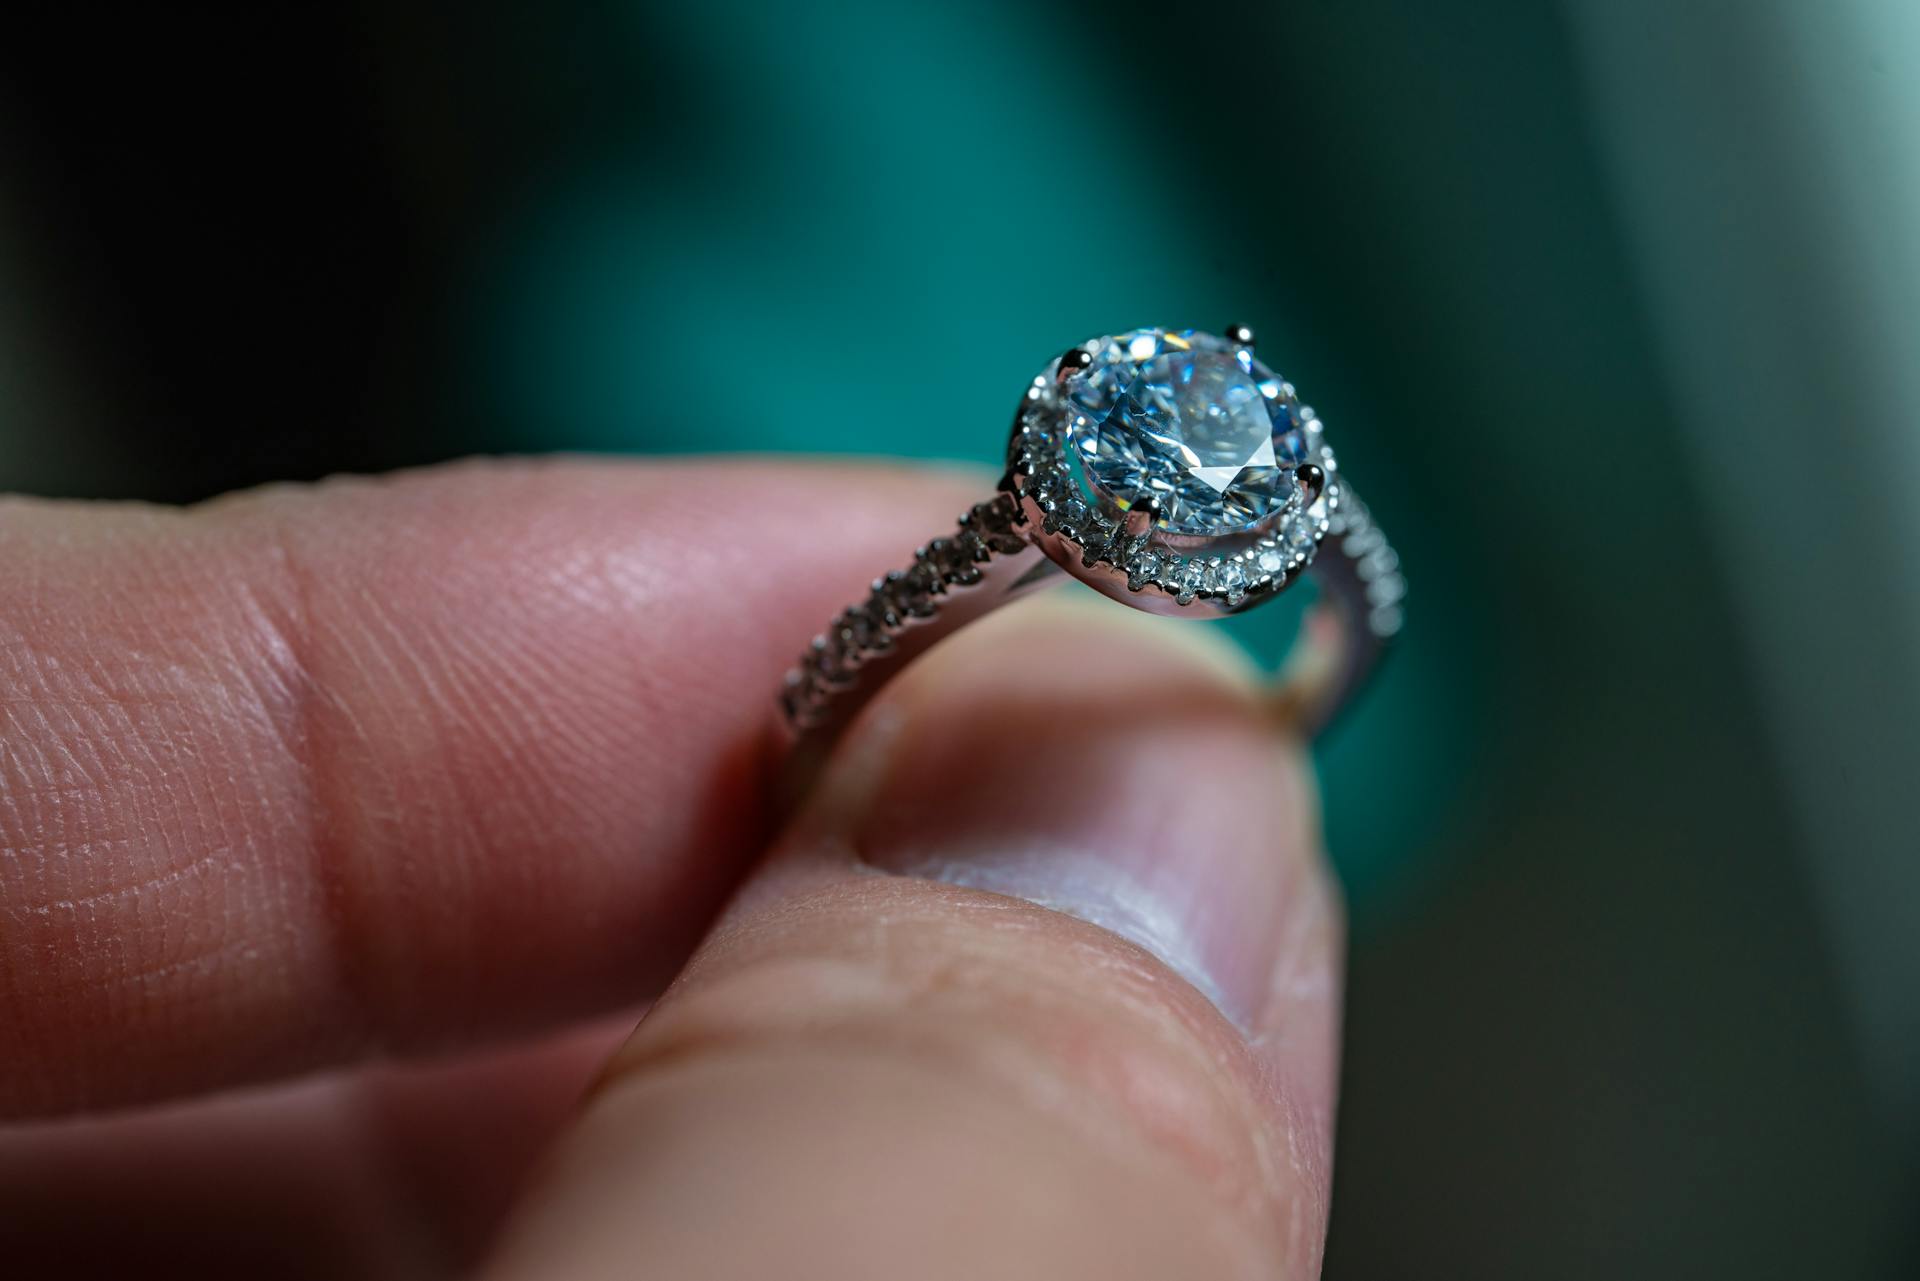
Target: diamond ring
[1169, 469]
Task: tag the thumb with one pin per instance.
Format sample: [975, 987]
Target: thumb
[1043, 983]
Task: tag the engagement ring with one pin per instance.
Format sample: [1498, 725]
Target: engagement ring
[1168, 469]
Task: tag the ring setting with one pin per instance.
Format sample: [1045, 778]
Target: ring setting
[1170, 469]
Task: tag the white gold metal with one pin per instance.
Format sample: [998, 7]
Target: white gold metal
[1042, 527]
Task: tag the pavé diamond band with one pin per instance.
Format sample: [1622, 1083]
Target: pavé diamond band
[1169, 469]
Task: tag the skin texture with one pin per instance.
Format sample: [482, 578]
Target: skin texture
[431, 768]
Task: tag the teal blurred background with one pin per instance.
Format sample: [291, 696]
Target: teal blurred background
[1614, 306]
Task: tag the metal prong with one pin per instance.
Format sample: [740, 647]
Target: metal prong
[1141, 517]
[1240, 335]
[1074, 361]
[1312, 480]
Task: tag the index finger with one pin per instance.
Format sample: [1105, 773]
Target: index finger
[388, 764]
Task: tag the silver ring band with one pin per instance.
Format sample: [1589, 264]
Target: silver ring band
[990, 560]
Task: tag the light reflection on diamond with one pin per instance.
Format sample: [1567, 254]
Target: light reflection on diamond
[1187, 420]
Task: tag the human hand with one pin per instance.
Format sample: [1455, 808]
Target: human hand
[433, 768]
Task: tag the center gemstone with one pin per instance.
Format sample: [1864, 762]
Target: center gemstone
[1189, 419]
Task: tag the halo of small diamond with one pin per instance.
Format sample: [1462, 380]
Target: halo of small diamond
[1231, 572]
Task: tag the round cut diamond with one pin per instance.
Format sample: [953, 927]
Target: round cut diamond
[1188, 420]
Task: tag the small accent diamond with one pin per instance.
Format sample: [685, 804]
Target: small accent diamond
[1188, 579]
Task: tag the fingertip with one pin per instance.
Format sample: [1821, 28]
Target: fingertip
[392, 762]
[1064, 867]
